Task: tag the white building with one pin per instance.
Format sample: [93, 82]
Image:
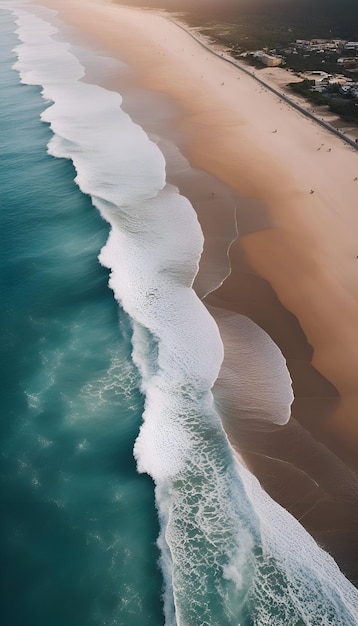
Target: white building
[351, 45]
[268, 59]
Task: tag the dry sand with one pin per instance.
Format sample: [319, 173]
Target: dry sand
[294, 268]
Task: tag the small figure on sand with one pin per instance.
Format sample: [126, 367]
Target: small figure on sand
[312, 191]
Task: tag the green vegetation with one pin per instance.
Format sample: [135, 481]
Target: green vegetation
[312, 61]
[304, 88]
[345, 107]
[252, 24]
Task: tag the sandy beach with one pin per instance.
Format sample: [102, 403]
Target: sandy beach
[291, 190]
[260, 147]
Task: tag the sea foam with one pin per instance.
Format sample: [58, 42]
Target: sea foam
[229, 554]
[254, 379]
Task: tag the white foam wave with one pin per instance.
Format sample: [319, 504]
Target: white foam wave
[39, 60]
[295, 579]
[176, 344]
[254, 380]
[113, 157]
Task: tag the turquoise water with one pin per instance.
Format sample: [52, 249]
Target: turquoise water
[93, 376]
[78, 527]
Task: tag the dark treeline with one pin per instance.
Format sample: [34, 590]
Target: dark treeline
[310, 18]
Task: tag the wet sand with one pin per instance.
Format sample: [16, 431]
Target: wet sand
[293, 267]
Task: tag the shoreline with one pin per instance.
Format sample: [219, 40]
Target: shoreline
[279, 224]
[336, 233]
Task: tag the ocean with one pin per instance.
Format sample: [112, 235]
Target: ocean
[122, 500]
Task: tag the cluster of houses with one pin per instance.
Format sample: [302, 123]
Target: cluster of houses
[346, 86]
[325, 45]
[322, 80]
[346, 52]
